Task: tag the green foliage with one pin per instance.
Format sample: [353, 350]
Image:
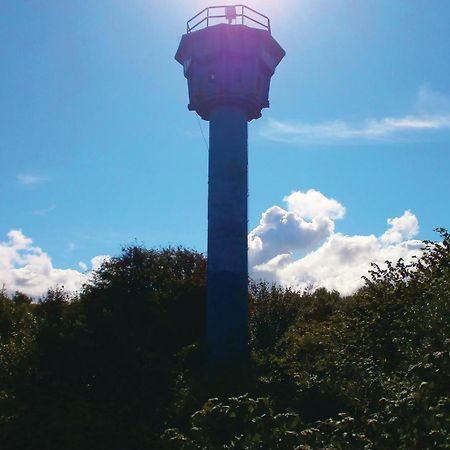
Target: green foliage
[371, 371]
[240, 422]
[120, 365]
[274, 310]
[97, 370]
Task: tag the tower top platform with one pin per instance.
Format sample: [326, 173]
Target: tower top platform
[231, 14]
[228, 62]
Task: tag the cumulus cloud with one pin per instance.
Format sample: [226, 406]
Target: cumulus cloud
[431, 114]
[97, 261]
[312, 204]
[27, 268]
[328, 258]
[401, 228]
[306, 223]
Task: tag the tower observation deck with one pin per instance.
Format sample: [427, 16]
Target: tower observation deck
[228, 56]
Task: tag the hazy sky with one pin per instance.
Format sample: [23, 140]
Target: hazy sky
[98, 149]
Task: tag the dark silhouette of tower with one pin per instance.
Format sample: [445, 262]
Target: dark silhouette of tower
[228, 67]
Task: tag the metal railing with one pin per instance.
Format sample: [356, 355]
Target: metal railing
[235, 14]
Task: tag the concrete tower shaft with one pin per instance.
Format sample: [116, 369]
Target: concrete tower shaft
[228, 68]
[226, 315]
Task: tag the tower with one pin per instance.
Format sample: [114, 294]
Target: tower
[228, 67]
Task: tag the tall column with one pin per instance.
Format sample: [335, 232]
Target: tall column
[228, 68]
[227, 236]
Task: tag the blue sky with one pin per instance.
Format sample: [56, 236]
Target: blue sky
[98, 149]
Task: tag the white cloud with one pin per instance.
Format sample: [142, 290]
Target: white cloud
[26, 268]
[432, 114]
[281, 231]
[29, 179]
[404, 227]
[334, 261]
[306, 223]
[313, 203]
[97, 261]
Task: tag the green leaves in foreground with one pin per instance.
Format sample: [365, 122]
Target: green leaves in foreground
[120, 366]
[371, 371]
